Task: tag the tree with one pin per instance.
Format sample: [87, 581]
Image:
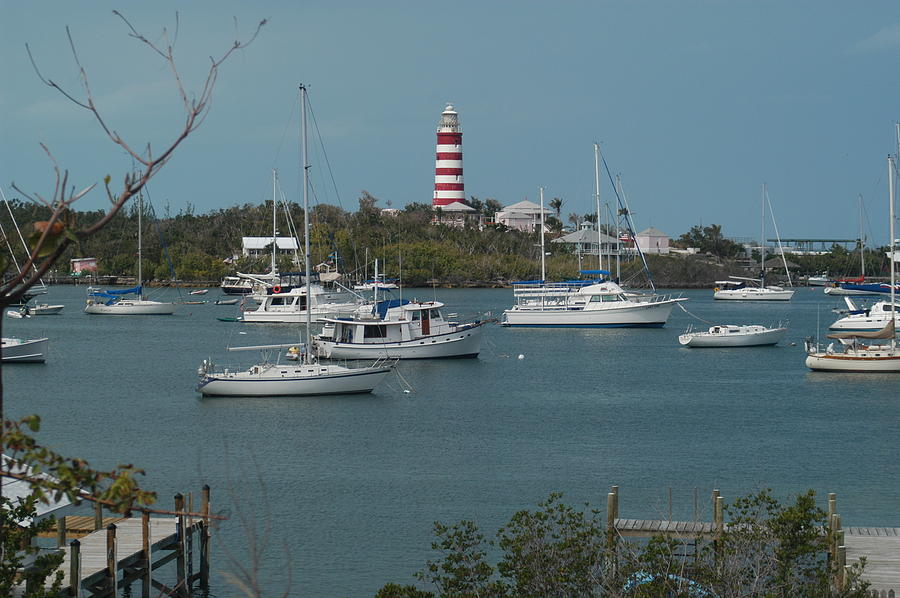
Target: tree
[557, 203]
[491, 207]
[74, 478]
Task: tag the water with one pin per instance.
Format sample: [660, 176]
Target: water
[345, 489]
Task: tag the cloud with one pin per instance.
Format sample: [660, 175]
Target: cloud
[885, 39]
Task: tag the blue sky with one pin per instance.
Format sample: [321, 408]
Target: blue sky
[696, 103]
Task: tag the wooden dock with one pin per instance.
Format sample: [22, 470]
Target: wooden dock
[103, 561]
[879, 545]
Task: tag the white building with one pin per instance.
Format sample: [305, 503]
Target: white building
[455, 214]
[524, 216]
[653, 240]
[262, 246]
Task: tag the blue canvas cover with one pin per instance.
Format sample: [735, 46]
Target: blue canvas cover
[382, 307]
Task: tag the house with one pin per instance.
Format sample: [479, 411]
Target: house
[82, 266]
[524, 216]
[262, 246]
[653, 240]
[454, 214]
[585, 242]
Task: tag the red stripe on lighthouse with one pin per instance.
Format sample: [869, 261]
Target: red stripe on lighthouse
[449, 156]
[449, 138]
[456, 171]
[449, 187]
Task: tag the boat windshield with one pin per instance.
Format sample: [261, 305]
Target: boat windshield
[606, 298]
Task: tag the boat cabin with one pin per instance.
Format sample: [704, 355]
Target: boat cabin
[390, 321]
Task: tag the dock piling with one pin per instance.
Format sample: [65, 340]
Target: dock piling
[204, 539]
[111, 561]
[75, 569]
[181, 581]
[146, 556]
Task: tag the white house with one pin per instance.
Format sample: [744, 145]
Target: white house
[262, 246]
[524, 216]
[653, 240]
[453, 214]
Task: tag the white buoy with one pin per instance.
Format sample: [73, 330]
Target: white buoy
[406, 391]
[521, 356]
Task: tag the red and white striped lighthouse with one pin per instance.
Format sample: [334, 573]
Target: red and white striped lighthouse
[448, 168]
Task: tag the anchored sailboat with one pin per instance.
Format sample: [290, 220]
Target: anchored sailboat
[308, 377]
[858, 355]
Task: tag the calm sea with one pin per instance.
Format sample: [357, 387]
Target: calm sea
[342, 491]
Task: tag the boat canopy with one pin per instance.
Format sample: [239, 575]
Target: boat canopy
[884, 333]
[114, 294]
[381, 308]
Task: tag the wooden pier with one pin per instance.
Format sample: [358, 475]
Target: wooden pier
[119, 552]
[879, 545]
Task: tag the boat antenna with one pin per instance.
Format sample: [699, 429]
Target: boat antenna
[304, 156]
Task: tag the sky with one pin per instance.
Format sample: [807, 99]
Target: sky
[696, 103]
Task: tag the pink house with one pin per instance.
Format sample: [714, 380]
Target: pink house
[83, 265]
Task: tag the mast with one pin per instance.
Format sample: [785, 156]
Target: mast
[597, 197]
[304, 157]
[891, 227]
[762, 241]
[618, 231]
[140, 277]
[274, 203]
[862, 243]
[543, 257]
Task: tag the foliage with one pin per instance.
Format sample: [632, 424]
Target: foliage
[766, 550]
[709, 239]
[18, 530]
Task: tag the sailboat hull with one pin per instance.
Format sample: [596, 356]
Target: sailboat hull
[292, 380]
[131, 307]
[753, 294]
[883, 360]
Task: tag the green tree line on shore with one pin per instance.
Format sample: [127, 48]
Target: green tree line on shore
[206, 247]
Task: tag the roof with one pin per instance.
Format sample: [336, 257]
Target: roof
[777, 262]
[456, 206]
[15, 489]
[264, 242]
[651, 232]
[526, 207]
[585, 236]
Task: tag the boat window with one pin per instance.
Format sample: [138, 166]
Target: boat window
[888, 308]
[277, 301]
[416, 316]
[435, 313]
[375, 331]
[596, 298]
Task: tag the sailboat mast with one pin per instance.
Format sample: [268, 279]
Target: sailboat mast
[618, 231]
[762, 241]
[307, 263]
[274, 229]
[862, 243]
[597, 198]
[543, 256]
[140, 272]
[891, 174]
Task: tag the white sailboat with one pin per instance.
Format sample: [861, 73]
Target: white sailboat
[307, 377]
[858, 354]
[116, 302]
[740, 288]
[602, 304]
[38, 309]
[733, 335]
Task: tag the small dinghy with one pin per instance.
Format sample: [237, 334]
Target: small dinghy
[226, 301]
[731, 335]
[200, 292]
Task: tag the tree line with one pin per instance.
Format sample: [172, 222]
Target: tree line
[206, 247]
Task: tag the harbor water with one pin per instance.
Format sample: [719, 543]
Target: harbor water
[343, 491]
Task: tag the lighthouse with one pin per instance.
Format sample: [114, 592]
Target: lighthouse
[448, 168]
